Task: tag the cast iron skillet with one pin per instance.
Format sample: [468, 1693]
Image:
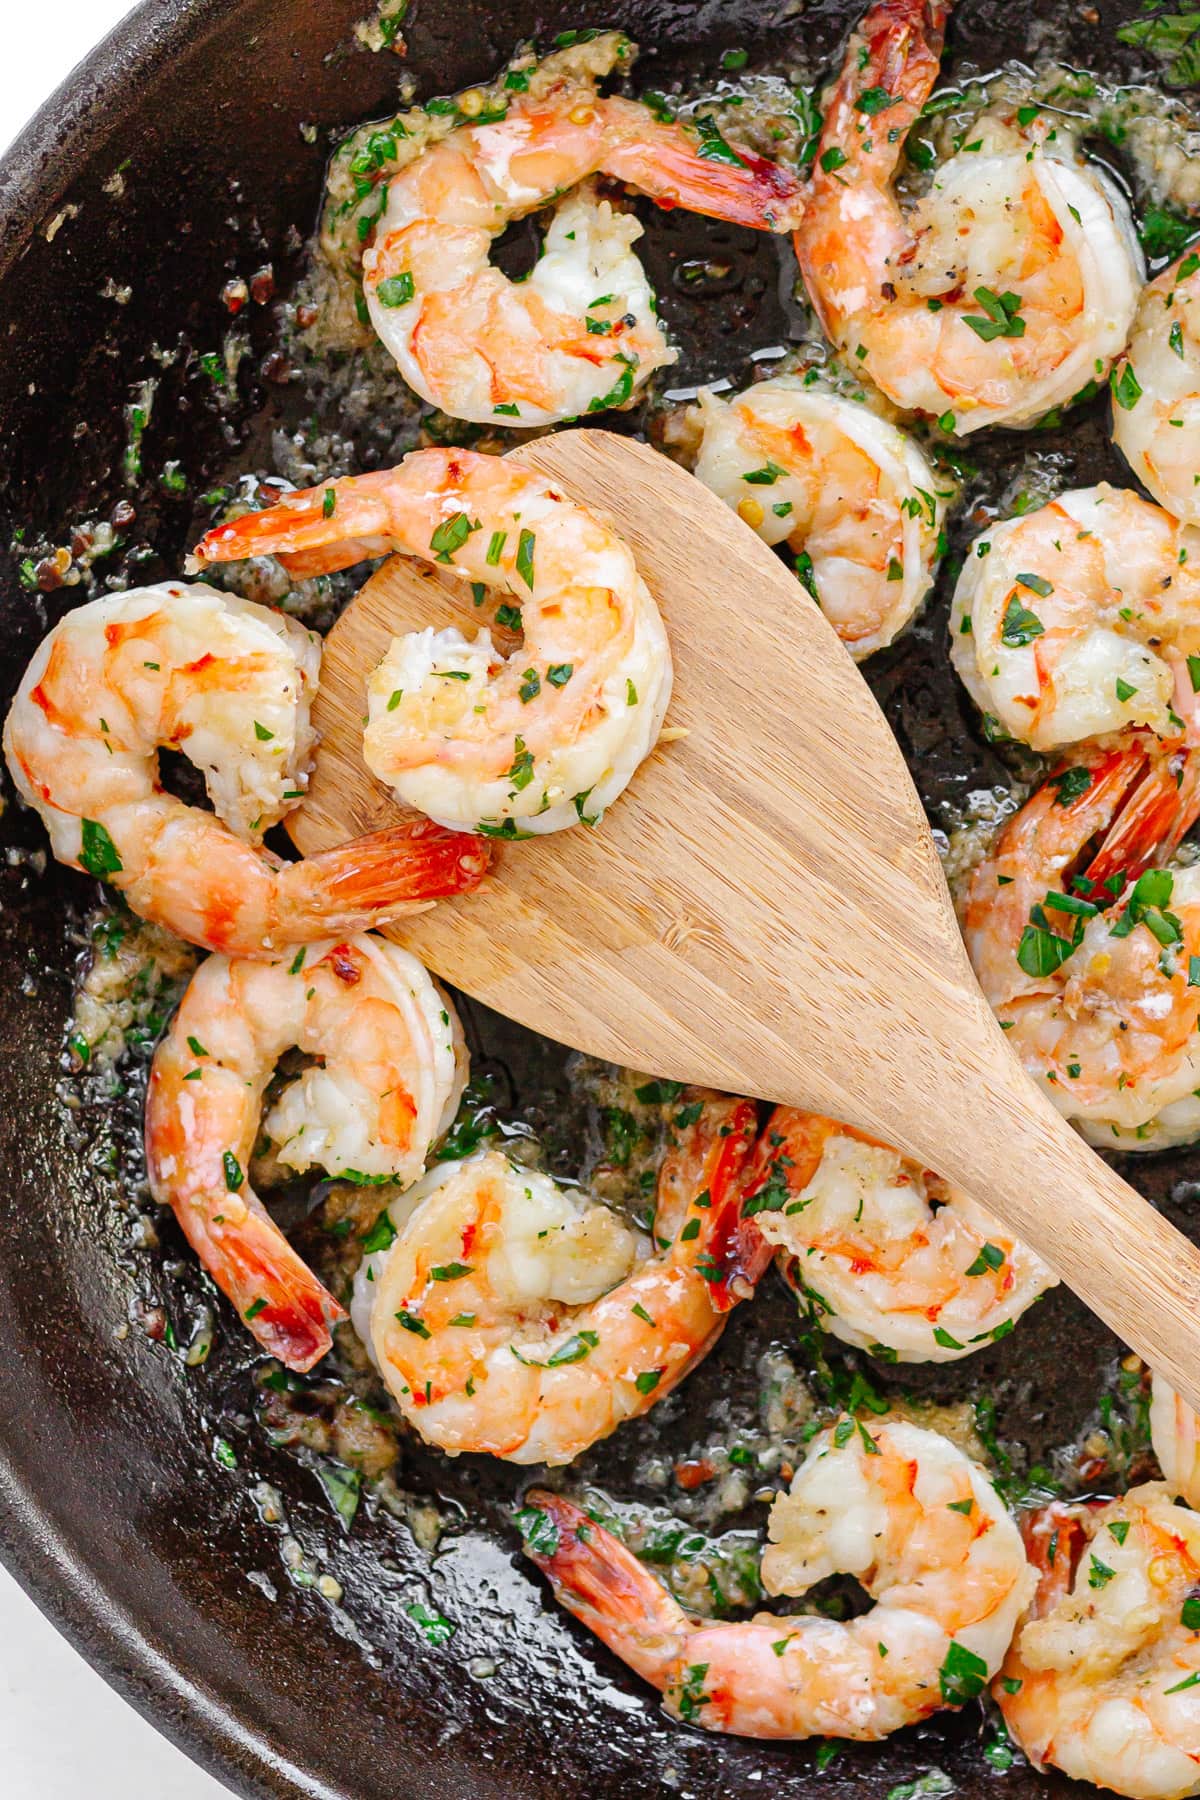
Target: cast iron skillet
[148, 1553]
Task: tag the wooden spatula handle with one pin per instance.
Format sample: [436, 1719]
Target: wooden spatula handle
[1017, 1156]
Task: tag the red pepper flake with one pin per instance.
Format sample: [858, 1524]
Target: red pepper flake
[345, 965]
[234, 295]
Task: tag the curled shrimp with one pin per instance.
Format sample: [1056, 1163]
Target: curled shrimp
[890, 1256]
[1156, 390]
[580, 333]
[850, 493]
[388, 1073]
[228, 683]
[900, 1508]
[544, 736]
[1103, 1677]
[1175, 1435]
[1086, 953]
[513, 1316]
[1079, 619]
[1005, 290]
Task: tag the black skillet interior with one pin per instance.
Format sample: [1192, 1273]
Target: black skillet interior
[154, 1557]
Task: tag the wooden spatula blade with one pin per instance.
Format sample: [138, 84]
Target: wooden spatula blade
[711, 922]
[763, 911]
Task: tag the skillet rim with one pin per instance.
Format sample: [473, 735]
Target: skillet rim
[36, 170]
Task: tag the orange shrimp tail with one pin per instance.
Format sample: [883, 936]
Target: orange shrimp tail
[904, 40]
[704, 1171]
[735, 1251]
[1161, 804]
[372, 878]
[890, 69]
[604, 1585]
[1054, 1537]
[668, 165]
[288, 1310]
[897, 52]
[275, 1292]
[313, 532]
[759, 194]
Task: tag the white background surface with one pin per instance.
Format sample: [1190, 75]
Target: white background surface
[63, 1733]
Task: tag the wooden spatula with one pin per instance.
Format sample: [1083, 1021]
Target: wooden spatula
[763, 910]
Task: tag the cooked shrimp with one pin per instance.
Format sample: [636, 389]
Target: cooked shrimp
[389, 1072]
[1156, 390]
[897, 1506]
[228, 684]
[851, 494]
[513, 1316]
[1175, 1435]
[1079, 619]
[890, 1255]
[1089, 969]
[1008, 287]
[1103, 1677]
[545, 736]
[580, 333]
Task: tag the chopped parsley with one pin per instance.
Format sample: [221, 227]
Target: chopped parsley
[538, 1530]
[98, 854]
[1126, 388]
[991, 1256]
[451, 535]
[962, 1675]
[381, 1235]
[525, 549]
[396, 290]
[411, 1323]
[433, 1626]
[713, 147]
[1002, 316]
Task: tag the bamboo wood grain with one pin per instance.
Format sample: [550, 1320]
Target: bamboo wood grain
[763, 910]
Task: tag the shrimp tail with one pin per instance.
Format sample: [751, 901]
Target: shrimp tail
[1161, 803]
[1152, 798]
[1054, 1537]
[712, 1155]
[604, 1586]
[381, 876]
[899, 54]
[313, 532]
[786, 1157]
[904, 40]
[234, 1236]
[890, 69]
[737, 1247]
[288, 1310]
[712, 177]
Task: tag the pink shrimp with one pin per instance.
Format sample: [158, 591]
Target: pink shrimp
[390, 1072]
[899, 1507]
[1012, 282]
[228, 683]
[1086, 953]
[580, 333]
